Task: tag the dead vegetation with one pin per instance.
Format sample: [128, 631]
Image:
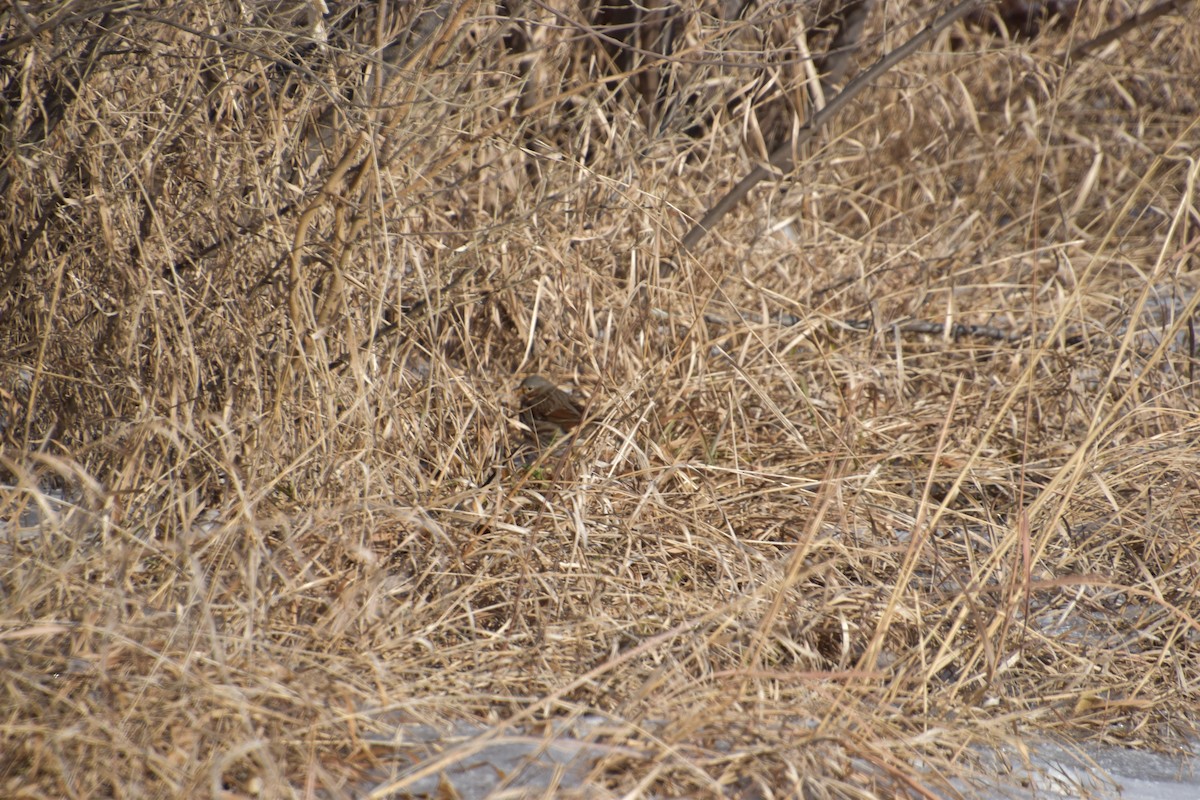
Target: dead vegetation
[270, 281]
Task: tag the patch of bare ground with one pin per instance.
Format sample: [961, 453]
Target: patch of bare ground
[897, 467]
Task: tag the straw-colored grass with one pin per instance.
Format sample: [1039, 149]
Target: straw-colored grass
[269, 287]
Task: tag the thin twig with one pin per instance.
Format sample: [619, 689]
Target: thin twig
[781, 158]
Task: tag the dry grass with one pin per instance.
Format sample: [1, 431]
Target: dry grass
[264, 317]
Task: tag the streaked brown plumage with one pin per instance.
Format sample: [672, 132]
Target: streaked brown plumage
[547, 410]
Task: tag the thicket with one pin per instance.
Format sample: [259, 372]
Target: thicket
[893, 469]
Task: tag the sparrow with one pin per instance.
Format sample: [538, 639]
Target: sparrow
[547, 410]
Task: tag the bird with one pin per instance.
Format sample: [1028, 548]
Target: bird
[547, 410]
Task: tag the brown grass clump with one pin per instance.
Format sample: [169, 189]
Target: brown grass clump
[893, 472]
